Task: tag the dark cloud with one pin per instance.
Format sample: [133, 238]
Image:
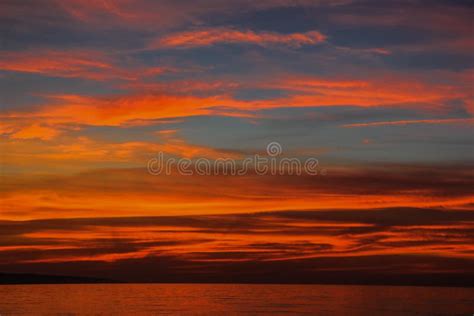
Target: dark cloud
[389, 269]
[292, 246]
[384, 62]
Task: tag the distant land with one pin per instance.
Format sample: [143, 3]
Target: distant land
[25, 278]
[443, 280]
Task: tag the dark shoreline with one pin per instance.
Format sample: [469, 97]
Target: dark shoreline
[31, 278]
[413, 281]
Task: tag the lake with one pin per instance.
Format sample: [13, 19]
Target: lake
[232, 299]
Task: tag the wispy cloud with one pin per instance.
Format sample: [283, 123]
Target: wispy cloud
[86, 64]
[408, 122]
[212, 36]
[323, 240]
[105, 193]
[303, 91]
[35, 131]
[91, 90]
[83, 64]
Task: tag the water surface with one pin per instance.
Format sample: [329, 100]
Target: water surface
[232, 299]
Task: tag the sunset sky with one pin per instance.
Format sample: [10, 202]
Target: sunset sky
[380, 92]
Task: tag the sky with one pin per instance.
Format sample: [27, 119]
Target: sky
[380, 93]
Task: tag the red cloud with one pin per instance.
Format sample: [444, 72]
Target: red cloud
[406, 122]
[211, 36]
[85, 64]
[36, 131]
[143, 107]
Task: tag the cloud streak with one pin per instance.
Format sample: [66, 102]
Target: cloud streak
[150, 102]
[91, 90]
[213, 36]
[342, 240]
[86, 64]
[104, 193]
[408, 122]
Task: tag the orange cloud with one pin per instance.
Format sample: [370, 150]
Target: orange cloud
[85, 64]
[211, 36]
[148, 107]
[131, 110]
[172, 144]
[36, 131]
[264, 236]
[407, 122]
[83, 153]
[120, 110]
[387, 90]
[132, 192]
